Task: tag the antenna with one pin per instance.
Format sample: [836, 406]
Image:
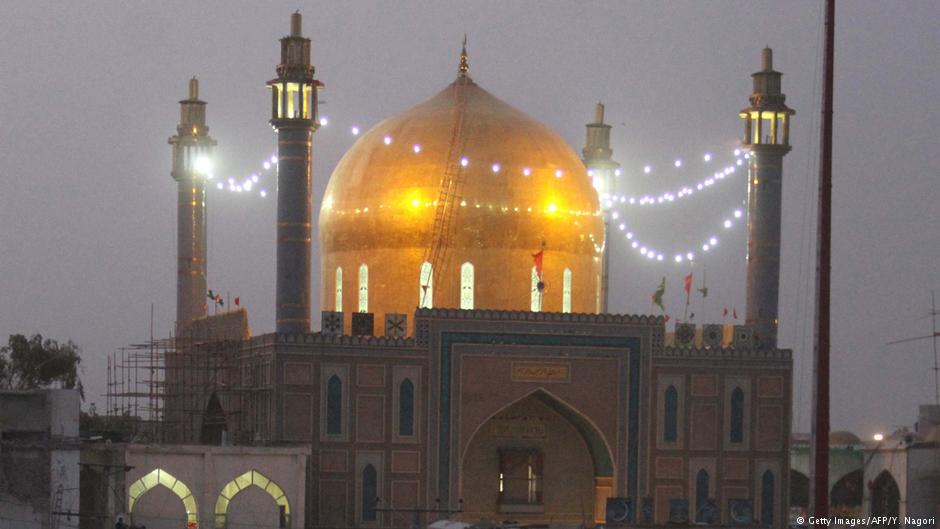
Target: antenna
[933, 336]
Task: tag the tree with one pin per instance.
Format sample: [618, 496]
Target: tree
[36, 363]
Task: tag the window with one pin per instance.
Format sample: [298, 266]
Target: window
[426, 286]
[701, 496]
[406, 408]
[767, 486]
[737, 415]
[536, 301]
[338, 307]
[334, 406]
[671, 415]
[370, 493]
[520, 476]
[466, 286]
[363, 288]
[566, 291]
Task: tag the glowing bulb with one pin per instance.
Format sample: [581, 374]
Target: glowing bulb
[727, 223]
[737, 152]
[590, 172]
[558, 173]
[678, 163]
[615, 215]
[737, 213]
[464, 161]
[324, 121]
[387, 140]
[202, 165]
[495, 167]
[708, 157]
[622, 225]
[705, 247]
[690, 256]
[254, 178]
[740, 161]
[263, 193]
[416, 148]
[355, 130]
[526, 171]
[616, 172]
[231, 180]
[219, 185]
[267, 165]
[415, 202]
[629, 234]
[552, 208]
[747, 156]
[713, 241]
[634, 244]
[632, 200]
[659, 257]
[879, 437]
[274, 159]
[650, 255]
[647, 169]
[238, 189]
[643, 250]
[678, 258]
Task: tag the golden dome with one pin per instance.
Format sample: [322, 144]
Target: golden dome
[516, 187]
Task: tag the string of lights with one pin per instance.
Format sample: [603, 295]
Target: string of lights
[652, 252]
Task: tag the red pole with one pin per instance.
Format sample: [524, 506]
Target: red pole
[820, 483]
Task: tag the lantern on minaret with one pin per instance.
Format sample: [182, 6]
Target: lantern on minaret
[294, 117]
[603, 171]
[767, 140]
[192, 167]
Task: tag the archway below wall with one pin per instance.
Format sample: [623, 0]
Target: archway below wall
[151, 498]
[886, 498]
[245, 488]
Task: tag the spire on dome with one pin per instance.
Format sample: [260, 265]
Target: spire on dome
[464, 68]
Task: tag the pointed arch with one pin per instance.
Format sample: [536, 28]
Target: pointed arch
[338, 290]
[370, 493]
[406, 408]
[701, 495]
[566, 291]
[768, 493]
[363, 288]
[885, 497]
[256, 478]
[214, 424]
[162, 477]
[426, 286]
[466, 286]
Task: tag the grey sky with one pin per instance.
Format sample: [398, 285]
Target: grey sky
[89, 91]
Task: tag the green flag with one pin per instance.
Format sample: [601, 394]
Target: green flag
[704, 291]
[658, 295]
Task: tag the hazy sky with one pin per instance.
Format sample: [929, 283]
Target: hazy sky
[89, 92]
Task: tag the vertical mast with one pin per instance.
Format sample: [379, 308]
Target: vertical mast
[192, 147]
[603, 170]
[819, 486]
[294, 117]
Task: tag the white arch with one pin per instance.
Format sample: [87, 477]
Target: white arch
[338, 302]
[252, 477]
[566, 291]
[162, 477]
[466, 286]
[363, 288]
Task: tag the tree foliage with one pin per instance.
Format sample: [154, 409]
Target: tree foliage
[36, 363]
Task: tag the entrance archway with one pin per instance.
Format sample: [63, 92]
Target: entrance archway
[886, 498]
[160, 477]
[538, 459]
[248, 479]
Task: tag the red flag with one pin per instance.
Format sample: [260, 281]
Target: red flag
[537, 262]
[237, 300]
[724, 313]
[688, 287]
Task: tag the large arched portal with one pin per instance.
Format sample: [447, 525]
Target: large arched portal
[278, 516]
[536, 460]
[160, 509]
[886, 498]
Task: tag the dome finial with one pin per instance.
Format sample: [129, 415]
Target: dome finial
[464, 68]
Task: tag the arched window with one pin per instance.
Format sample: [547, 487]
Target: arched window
[363, 288]
[536, 293]
[406, 408]
[370, 493]
[466, 286]
[426, 286]
[338, 305]
[566, 291]
[767, 487]
[334, 406]
[671, 415]
[737, 415]
[242, 482]
[162, 477]
[701, 497]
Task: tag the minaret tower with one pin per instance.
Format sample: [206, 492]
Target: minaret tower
[294, 117]
[192, 147]
[767, 137]
[603, 170]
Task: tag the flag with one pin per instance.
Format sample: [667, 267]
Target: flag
[658, 295]
[237, 300]
[537, 263]
[734, 313]
[704, 291]
[211, 295]
[687, 283]
[692, 316]
[218, 300]
[724, 313]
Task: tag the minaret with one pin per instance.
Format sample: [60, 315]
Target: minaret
[767, 137]
[603, 170]
[294, 117]
[192, 147]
